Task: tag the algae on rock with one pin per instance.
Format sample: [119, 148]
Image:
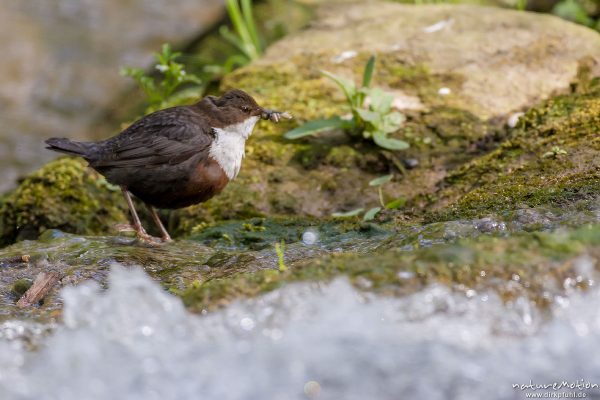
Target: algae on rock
[517, 175]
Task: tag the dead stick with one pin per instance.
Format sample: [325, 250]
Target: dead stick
[44, 281]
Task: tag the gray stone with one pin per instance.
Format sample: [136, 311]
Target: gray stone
[507, 60]
[61, 59]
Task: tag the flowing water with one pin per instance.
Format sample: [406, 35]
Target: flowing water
[326, 341]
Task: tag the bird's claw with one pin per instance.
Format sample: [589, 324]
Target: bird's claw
[142, 236]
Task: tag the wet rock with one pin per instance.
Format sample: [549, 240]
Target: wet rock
[532, 219]
[410, 163]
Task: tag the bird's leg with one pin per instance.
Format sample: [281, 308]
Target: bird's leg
[137, 225]
[164, 234]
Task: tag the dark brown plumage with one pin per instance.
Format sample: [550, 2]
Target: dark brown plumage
[175, 157]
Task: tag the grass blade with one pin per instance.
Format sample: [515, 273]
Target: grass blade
[312, 127]
[368, 74]
[352, 213]
[251, 25]
[235, 14]
[347, 86]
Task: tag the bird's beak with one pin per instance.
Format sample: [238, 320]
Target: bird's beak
[275, 116]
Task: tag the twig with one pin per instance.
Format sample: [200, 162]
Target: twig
[43, 283]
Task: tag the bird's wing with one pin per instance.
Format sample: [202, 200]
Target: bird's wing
[168, 136]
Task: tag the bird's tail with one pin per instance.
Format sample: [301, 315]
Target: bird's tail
[67, 146]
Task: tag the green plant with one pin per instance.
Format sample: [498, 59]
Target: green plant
[160, 91]
[372, 212]
[245, 37]
[521, 5]
[555, 152]
[280, 251]
[373, 119]
[575, 11]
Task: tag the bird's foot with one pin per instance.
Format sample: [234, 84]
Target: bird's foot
[149, 240]
[142, 236]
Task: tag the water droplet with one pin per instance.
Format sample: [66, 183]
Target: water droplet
[146, 330]
[310, 237]
[312, 389]
[247, 323]
[406, 274]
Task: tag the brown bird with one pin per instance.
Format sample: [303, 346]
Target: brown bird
[175, 157]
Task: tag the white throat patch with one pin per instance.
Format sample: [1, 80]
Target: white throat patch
[228, 148]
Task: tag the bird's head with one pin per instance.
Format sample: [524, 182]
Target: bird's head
[237, 106]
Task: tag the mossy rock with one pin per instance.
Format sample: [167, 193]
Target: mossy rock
[523, 172]
[534, 265]
[317, 176]
[64, 194]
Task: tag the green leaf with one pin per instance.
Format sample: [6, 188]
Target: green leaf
[368, 74]
[369, 215]
[366, 115]
[382, 140]
[392, 121]
[573, 11]
[312, 127]
[380, 101]
[394, 204]
[233, 39]
[251, 25]
[352, 213]
[381, 180]
[347, 86]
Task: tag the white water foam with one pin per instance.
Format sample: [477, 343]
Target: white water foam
[326, 341]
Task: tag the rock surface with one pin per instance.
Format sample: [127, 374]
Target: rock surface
[488, 206]
[502, 60]
[61, 65]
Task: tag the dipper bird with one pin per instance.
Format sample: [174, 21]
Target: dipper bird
[175, 157]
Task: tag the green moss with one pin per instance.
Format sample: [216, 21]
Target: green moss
[261, 233]
[20, 286]
[523, 264]
[342, 157]
[516, 174]
[64, 194]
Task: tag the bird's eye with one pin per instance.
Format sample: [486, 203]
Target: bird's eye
[245, 108]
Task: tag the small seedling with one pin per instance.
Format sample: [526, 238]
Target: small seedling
[160, 91]
[280, 251]
[555, 152]
[372, 212]
[371, 120]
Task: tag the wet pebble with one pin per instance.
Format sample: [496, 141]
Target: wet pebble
[410, 163]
